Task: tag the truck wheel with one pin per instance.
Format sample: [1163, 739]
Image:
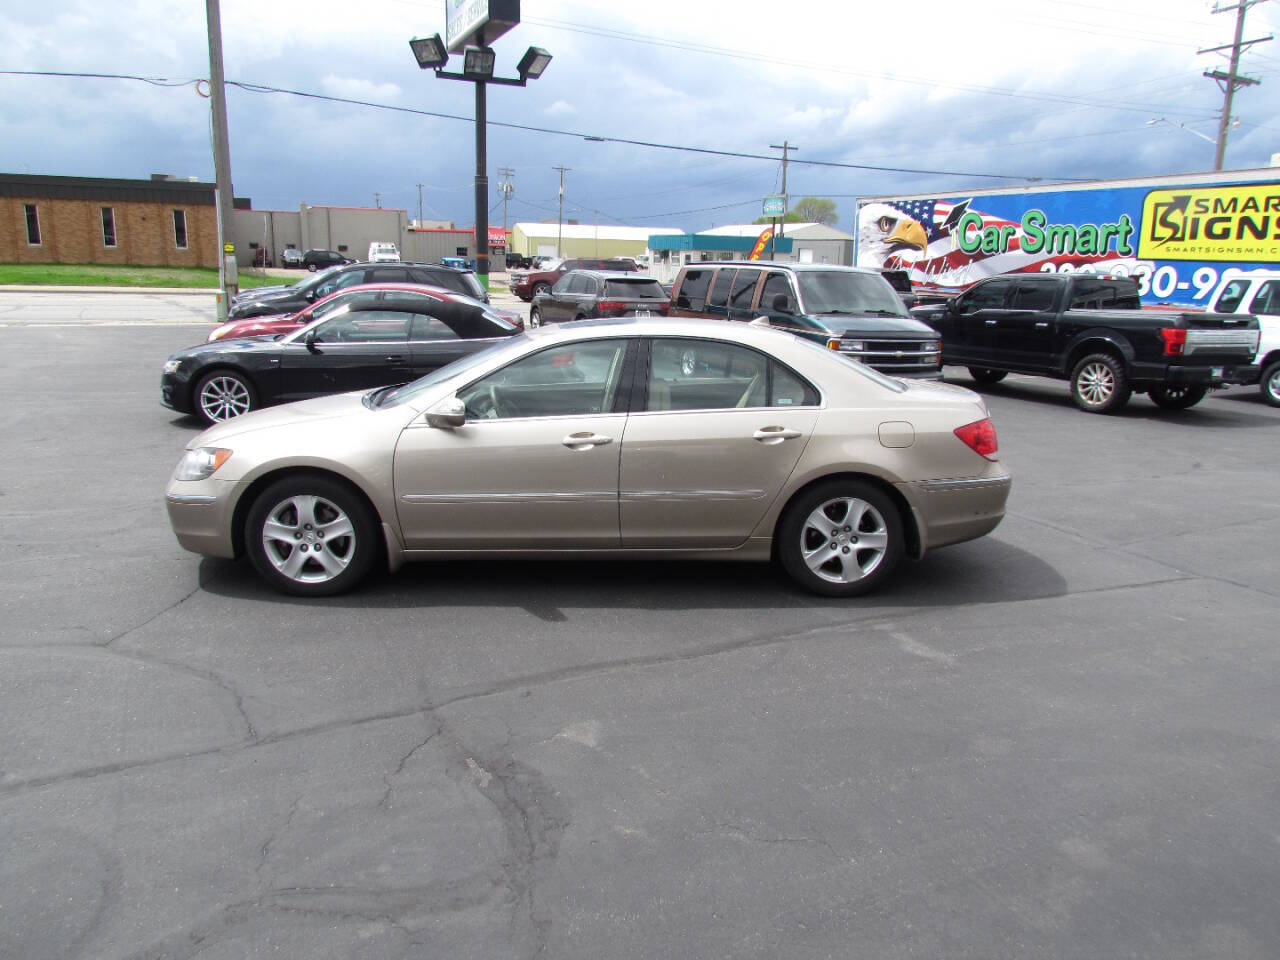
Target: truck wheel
[1099, 384]
[1176, 398]
[1270, 384]
[985, 375]
[540, 288]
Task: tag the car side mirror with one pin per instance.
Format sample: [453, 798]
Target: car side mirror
[953, 306]
[782, 303]
[310, 340]
[447, 414]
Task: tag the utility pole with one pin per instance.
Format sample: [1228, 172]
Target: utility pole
[221, 157]
[506, 187]
[377, 200]
[419, 204]
[560, 217]
[780, 228]
[1231, 80]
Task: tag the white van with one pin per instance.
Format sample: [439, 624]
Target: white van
[1256, 292]
[380, 252]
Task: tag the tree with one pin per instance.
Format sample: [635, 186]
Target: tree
[808, 210]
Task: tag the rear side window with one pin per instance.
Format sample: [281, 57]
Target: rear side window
[1100, 295]
[720, 289]
[581, 283]
[1267, 302]
[744, 289]
[1232, 294]
[694, 288]
[712, 375]
[634, 289]
[1035, 296]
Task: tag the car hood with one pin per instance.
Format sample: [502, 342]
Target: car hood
[263, 343]
[257, 293]
[286, 415]
[871, 323]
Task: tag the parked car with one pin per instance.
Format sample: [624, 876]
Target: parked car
[588, 294]
[315, 260]
[277, 325]
[516, 261]
[1091, 331]
[291, 258]
[1256, 292]
[591, 440]
[900, 280]
[526, 285]
[258, 293]
[851, 310]
[366, 342]
[300, 295]
[382, 252]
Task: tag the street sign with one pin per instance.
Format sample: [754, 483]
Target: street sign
[228, 248]
[775, 206]
[477, 22]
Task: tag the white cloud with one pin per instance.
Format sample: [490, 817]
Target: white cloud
[560, 108]
[354, 88]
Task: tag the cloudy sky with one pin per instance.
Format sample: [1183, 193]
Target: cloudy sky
[983, 93]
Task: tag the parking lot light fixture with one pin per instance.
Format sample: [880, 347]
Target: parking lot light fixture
[533, 62]
[477, 63]
[429, 52]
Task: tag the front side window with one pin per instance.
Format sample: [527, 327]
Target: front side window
[985, 296]
[1267, 301]
[562, 285]
[364, 326]
[33, 224]
[348, 279]
[576, 379]
[777, 285]
[180, 229]
[108, 227]
[711, 375]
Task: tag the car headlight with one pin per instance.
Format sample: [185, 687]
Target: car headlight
[220, 332]
[855, 345]
[201, 463]
[931, 346]
[171, 366]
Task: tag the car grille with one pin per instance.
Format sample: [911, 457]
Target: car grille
[897, 358]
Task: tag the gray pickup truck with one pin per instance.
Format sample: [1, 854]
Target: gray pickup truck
[1092, 331]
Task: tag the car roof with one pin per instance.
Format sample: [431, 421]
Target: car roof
[783, 265]
[614, 274]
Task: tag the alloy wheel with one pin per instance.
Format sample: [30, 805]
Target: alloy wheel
[222, 398]
[844, 540]
[308, 539]
[1096, 384]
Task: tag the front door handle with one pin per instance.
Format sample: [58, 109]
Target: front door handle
[394, 358]
[585, 440]
[990, 323]
[1042, 325]
[773, 435]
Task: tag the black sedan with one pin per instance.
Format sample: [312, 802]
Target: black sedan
[590, 294]
[298, 296]
[364, 344]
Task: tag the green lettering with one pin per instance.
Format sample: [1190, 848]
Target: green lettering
[991, 240]
[1123, 235]
[1087, 238]
[1105, 234]
[968, 221]
[1032, 232]
[1006, 234]
[1062, 238]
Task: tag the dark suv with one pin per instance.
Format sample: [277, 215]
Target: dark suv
[848, 309]
[299, 295]
[525, 285]
[588, 294]
[315, 260]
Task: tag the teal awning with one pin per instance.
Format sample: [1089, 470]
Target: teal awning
[713, 242]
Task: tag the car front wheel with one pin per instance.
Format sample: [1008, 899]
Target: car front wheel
[984, 375]
[1099, 384]
[311, 268]
[1270, 384]
[540, 288]
[535, 318]
[311, 536]
[223, 394]
[841, 538]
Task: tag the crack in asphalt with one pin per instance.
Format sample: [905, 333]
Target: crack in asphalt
[384, 803]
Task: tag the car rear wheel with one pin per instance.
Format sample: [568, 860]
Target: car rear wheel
[540, 288]
[1270, 384]
[311, 536]
[535, 318]
[311, 267]
[984, 375]
[1176, 398]
[1099, 385]
[223, 394]
[841, 538]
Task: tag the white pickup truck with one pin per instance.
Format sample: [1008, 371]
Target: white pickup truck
[1256, 292]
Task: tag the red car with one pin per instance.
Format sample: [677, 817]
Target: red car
[528, 284]
[276, 324]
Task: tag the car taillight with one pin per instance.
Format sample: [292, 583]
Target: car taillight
[1175, 341]
[612, 308]
[664, 307]
[980, 436]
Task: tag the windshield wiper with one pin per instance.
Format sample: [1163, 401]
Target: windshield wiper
[374, 398]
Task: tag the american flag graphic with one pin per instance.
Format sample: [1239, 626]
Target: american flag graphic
[942, 262]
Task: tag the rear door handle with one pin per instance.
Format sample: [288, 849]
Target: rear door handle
[394, 358]
[773, 435]
[585, 440]
[1042, 325]
[990, 323]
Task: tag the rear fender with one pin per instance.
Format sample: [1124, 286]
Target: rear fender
[1095, 341]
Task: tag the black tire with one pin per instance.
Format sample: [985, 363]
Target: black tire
[344, 560]
[221, 395]
[311, 268]
[984, 375]
[1099, 384]
[1176, 398]
[535, 318]
[796, 536]
[540, 288]
[1270, 383]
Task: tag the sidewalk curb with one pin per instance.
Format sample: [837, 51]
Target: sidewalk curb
[49, 288]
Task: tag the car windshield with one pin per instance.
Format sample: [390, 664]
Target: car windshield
[449, 371]
[841, 291]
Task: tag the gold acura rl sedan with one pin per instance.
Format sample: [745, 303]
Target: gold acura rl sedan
[624, 439]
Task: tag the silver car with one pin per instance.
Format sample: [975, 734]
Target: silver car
[624, 439]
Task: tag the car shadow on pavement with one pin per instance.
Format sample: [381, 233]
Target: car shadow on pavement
[985, 571]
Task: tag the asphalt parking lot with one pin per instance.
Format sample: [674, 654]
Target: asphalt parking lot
[1061, 740]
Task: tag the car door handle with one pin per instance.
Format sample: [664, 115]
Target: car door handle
[1042, 325]
[393, 358]
[772, 435]
[585, 440]
[990, 323]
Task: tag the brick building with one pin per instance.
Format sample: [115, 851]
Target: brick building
[161, 221]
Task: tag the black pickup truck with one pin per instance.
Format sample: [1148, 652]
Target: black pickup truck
[1092, 331]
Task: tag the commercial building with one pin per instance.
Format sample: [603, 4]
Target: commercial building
[582, 239]
[800, 242]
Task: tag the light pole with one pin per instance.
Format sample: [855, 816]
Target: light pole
[1194, 133]
[477, 68]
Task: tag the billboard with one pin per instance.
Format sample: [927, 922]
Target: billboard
[1176, 240]
[477, 22]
